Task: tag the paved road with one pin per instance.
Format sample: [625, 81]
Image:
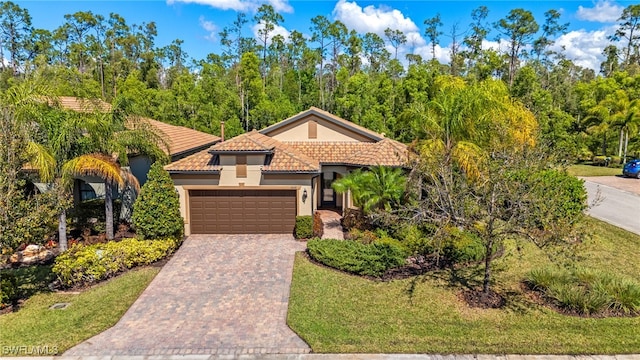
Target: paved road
[617, 207]
[218, 295]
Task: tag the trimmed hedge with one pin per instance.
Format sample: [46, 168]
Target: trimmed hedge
[304, 227]
[83, 265]
[357, 258]
[156, 212]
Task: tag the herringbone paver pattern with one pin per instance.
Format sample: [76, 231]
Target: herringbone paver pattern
[219, 294]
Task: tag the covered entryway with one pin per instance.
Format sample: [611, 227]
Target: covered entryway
[242, 211]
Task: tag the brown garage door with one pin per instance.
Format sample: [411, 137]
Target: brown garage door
[242, 211]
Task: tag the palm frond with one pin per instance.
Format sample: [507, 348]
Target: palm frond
[130, 180]
[469, 157]
[98, 165]
[41, 159]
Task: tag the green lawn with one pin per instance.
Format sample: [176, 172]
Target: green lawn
[589, 170]
[90, 313]
[336, 312]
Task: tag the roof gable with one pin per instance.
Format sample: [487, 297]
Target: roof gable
[340, 128]
[248, 142]
[279, 157]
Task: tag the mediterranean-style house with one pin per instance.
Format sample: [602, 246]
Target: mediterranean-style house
[259, 181]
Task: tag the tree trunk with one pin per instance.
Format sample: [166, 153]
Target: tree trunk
[626, 144]
[108, 209]
[620, 143]
[487, 267]
[62, 230]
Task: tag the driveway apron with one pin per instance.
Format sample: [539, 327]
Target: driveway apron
[219, 294]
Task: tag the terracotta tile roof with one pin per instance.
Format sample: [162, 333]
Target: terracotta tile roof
[280, 157]
[251, 141]
[386, 152]
[329, 117]
[287, 159]
[202, 161]
[81, 105]
[181, 139]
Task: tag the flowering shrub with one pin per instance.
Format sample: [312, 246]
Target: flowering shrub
[81, 265]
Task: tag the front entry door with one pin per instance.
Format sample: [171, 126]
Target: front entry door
[328, 194]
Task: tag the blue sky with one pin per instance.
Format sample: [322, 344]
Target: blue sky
[198, 22]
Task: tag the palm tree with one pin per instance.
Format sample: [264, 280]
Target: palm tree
[67, 143]
[450, 123]
[110, 138]
[625, 116]
[379, 188]
[617, 106]
[53, 140]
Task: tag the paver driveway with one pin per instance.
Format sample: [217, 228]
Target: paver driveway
[219, 294]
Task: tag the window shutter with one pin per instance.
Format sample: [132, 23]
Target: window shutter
[241, 166]
[313, 129]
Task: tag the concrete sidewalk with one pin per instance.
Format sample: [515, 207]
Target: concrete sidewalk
[343, 357]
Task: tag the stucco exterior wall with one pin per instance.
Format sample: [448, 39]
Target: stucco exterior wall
[302, 182]
[228, 173]
[184, 206]
[326, 131]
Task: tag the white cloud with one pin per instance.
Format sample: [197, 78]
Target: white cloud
[209, 27]
[604, 11]
[372, 19]
[377, 20]
[281, 6]
[583, 47]
[443, 54]
[239, 5]
[277, 30]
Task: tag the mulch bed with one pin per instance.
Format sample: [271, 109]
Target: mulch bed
[418, 265]
[479, 299]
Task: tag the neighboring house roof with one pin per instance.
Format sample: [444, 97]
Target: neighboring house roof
[328, 117]
[81, 105]
[280, 156]
[181, 140]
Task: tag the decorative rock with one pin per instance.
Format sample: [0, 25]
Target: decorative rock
[32, 250]
[31, 255]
